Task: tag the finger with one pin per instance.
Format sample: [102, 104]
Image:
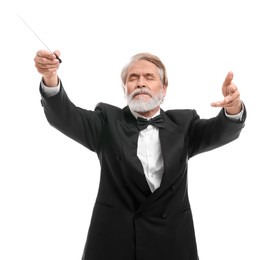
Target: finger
[222, 103]
[228, 79]
[228, 100]
[232, 96]
[43, 61]
[218, 103]
[46, 66]
[231, 92]
[45, 54]
[57, 52]
[232, 88]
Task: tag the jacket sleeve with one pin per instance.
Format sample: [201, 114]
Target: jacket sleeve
[83, 126]
[208, 134]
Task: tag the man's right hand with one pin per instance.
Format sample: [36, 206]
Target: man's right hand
[47, 65]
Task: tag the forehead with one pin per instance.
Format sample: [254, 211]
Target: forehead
[142, 66]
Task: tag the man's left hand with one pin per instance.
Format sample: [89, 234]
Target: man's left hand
[232, 102]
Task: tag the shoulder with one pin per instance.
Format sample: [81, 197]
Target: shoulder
[110, 112]
[107, 108]
[179, 115]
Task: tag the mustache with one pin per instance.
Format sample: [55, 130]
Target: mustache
[140, 91]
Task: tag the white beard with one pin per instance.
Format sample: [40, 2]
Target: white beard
[141, 105]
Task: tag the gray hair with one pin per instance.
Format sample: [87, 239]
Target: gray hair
[148, 57]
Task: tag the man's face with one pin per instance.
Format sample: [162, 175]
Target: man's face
[144, 89]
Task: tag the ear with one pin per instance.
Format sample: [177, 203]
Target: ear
[164, 90]
[123, 87]
[124, 90]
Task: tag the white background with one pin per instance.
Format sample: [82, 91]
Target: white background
[48, 182]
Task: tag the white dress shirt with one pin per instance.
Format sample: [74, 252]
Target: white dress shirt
[148, 146]
[150, 154]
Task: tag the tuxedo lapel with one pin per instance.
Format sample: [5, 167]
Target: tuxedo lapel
[174, 156]
[134, 173]
[173, 150]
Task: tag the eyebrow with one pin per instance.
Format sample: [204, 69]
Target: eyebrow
[132, 75]
[149, 74]
[137, 75]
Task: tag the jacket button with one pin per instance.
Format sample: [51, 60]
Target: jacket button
[118, 158]
[173, 187]
[164, 216]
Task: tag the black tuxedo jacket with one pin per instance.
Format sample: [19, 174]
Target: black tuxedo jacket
[128, 221]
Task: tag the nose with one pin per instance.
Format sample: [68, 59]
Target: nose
[141, 82]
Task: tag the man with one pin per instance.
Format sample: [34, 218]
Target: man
[142, 209]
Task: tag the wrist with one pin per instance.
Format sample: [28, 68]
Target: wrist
[234, 110]
[50, 81]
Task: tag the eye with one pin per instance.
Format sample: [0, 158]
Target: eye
[132, 78]
[149, 77]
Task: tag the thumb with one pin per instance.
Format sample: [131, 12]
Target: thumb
[57, 54]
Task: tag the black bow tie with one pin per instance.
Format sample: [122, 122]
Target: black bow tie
[143, 123]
